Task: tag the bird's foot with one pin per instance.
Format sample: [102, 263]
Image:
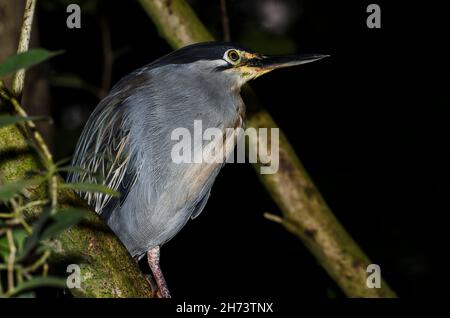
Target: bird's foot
[163, 293]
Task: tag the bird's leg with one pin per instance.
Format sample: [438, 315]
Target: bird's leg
[153, 262]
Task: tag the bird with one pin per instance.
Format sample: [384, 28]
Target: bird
[126, 143]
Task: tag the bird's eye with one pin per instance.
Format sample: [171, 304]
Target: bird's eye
[233, 56]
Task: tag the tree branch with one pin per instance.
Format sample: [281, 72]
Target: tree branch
[305, 212]
[108, 58]
[225, 21]
[24, 42]
[107, 270]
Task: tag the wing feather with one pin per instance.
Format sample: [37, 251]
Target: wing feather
[105, 153]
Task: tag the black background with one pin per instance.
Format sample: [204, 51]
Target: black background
[370, 124]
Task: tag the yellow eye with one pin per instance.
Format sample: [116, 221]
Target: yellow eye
[233, 56]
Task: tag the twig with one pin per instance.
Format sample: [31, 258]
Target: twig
[45, 269]
[25, 225]
[11, 258]
[19, 215]
[32, 204]
[19, 275]
[41, 261]
[225, 21]
[273, 218]
[24, 41]
[1, 288]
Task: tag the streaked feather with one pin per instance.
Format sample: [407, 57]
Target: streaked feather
[105, 152]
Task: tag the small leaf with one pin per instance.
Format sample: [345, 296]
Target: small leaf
[37, 282]
[62, 220]
[25, 60]
[32, 240]
[62, 161]
[6, 120]
[9, 190]
[20, 236]
[73, 169]
[91, 187]
[73, 81]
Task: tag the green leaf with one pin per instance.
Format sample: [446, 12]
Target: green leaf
[19, 239]
[73, 81]
[6, 120]
[37, 282]
[62, 220]
[91, 187]
[73, 169]
[33, 240]
[59, 163]
[25, 60]
[20, 236]
[9, 190]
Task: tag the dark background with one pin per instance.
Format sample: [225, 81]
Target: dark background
[369, 124]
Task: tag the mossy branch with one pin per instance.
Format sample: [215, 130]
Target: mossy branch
[107, 270]
[305, 212]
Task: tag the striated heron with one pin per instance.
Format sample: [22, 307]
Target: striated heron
[126, 143]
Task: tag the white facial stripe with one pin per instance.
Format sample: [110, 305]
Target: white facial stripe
[207, 64]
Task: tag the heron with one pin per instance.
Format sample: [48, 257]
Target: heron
[126, 143]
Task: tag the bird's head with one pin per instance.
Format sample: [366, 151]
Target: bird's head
[237, 64]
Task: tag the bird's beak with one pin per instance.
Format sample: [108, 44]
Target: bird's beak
[263, 64]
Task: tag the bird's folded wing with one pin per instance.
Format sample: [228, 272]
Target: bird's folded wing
[103, 151]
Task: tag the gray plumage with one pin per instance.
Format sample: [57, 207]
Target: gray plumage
[126, 145]
[127, 142]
